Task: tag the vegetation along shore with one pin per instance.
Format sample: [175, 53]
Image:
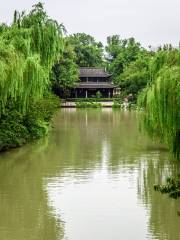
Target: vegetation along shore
[40, 61]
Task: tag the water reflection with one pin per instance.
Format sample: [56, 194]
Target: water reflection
[92, 178]
[24, 210]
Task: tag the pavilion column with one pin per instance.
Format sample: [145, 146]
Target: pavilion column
[109, 93]
[86, 93]
[76, 93]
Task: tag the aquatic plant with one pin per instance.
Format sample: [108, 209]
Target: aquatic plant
[172, 187]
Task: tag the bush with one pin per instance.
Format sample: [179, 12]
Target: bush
[12, 131]
[39, 116]
[117, 103]
[16, 128]
[88, 105]
[172, 187]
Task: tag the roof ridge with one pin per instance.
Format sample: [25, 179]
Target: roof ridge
[93, 72]
[93, 67]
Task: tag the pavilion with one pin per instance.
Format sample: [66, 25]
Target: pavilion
[93, 81]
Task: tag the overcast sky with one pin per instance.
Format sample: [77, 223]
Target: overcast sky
[152, 22]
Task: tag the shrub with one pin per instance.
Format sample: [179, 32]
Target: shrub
[88, 105]
[16, 128]
[117, 103]
[172, 187]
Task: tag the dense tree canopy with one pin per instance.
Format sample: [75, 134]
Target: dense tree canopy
[135, 76]
[89, 53]
[120, 53]
[65, 72]
[128, 62]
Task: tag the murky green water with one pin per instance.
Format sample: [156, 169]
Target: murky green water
[91, 179]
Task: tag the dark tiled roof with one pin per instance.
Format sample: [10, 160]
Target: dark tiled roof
[95, 85]
[93, 72]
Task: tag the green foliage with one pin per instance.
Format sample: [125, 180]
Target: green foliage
[65, 72]
[135, 76]
[39, 115]
[17, 128]
[33, 48]
[28, 50]
[98, 95]
[161, 100]
[12, 131]
[172, 187]
[133, 69]
[88, 104]
[120, 53]
[25, 59]
[46, 35]
[89, 53]
[117, 103]
[128, 62]
[89, 99]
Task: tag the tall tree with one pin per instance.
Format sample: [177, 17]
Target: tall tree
[120, 53]
[89, 53]
[28, 50]
[161, 99]
[65, 72]
[135, 76]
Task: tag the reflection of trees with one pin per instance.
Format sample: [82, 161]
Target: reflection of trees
[82, 140]
[128, 150]
[24, 212]
[131, 151]
[79, 146]
[164, 222]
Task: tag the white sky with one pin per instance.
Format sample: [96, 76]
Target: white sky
[152, 22]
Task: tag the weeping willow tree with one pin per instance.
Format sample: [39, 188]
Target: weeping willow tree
[28, 50]
[29, 47]
[161, 100]
[22, 78]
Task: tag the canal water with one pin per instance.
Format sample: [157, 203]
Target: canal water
[90, 179]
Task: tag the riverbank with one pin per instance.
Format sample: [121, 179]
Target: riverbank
[73, 104]
[98, 104]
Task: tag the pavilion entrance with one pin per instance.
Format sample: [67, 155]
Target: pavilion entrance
[92, 93]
